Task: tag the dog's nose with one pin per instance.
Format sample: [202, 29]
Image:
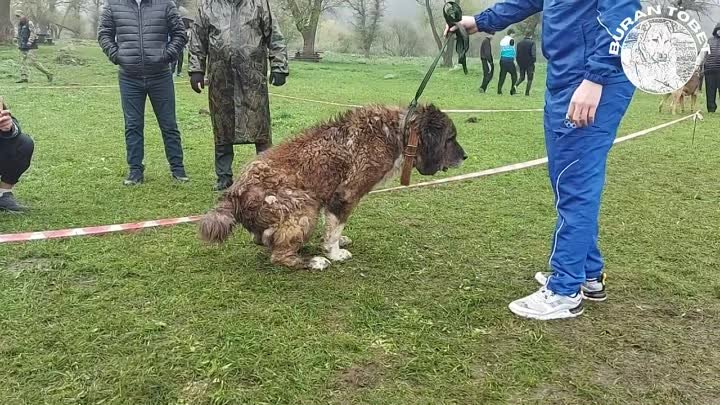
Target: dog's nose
[465, 157]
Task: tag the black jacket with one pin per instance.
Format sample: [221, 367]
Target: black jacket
[486, 49]
[712, 60]
[526, 53]
[26, 39]
[143, 40]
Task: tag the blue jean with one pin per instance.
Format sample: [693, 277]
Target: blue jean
[577, 162]
[134, 91]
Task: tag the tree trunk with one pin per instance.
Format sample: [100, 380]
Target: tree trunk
[309, 41]
[449, 53]
[431, 18]
[7, 31]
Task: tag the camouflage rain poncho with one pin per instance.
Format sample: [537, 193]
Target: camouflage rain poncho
[232, 42]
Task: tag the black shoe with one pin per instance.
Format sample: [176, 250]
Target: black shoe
[223, 184]
[22, 81]
[8, 203]
[513, 92]
[180, 176]
[134, 179]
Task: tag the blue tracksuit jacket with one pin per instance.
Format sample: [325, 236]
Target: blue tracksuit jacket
[576, 42]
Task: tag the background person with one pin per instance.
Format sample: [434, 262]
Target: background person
[16, 151]
[507, 61]
[488, 64]
[235, 59]
[709, 58]
[587, 96]
[144, 54]
[526, 58]
[27, 44]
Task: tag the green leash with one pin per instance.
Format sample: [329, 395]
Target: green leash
[453, 15]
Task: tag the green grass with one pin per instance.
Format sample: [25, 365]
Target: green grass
[417, 317]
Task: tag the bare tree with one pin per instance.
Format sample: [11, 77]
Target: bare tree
[368, 14]
[437, 25]
[6, 28]
[401, 39]
[306, 14]
[431, 19]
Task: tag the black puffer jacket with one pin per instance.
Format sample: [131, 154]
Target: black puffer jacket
[143, 39]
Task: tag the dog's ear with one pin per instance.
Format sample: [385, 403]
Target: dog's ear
[434, 128]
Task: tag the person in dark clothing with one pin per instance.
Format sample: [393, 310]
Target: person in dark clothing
[134, 35]
[526, 58]
[16, 150]
[488, 64]
[507, 61]
[711, 57]
[236, 59]
[27, 44]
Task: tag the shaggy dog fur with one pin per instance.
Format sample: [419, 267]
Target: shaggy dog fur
[690, 89]
[328, 168]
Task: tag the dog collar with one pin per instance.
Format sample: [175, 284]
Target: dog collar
[409, 154]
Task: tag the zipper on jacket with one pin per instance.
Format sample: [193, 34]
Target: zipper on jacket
[140, 34]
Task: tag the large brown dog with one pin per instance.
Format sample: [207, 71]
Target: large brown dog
[331, 167]
[690, 89]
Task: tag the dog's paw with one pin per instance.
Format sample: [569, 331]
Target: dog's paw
[339, 255]
[318, 263]
[345, 241]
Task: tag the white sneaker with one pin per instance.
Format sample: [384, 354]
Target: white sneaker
[592, 289]
[545, 305]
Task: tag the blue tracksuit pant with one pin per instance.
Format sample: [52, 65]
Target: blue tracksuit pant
[577, 160]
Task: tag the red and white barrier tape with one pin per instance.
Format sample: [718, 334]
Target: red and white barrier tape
[94, 230]
[101, 230]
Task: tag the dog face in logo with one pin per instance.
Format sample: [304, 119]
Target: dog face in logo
[656, 45]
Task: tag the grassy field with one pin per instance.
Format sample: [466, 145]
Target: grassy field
[418, 316]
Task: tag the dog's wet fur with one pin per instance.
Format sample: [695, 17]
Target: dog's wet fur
[328, 168]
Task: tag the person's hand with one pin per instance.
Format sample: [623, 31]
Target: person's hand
[6, 122]
[278, 79]
[197, 82]
[468, 22]
[584, 104]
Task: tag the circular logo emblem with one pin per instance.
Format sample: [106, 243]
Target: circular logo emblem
[658, 55]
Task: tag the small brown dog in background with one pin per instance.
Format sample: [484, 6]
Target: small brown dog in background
[690, 89]
[328, 168]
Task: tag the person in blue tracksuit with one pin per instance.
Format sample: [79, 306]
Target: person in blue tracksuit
[587, 96]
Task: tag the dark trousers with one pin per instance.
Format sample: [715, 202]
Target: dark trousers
[712, 85]
[15, 156]
[488, 67]
[507, 66]
[161, 91]
[530, 72]
[224, 155]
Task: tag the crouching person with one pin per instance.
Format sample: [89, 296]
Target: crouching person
[16, 150]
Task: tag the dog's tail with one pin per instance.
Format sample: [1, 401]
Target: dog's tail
[217, 225]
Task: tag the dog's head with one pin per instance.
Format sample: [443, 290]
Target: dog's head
[656, 43]
[438, 148]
